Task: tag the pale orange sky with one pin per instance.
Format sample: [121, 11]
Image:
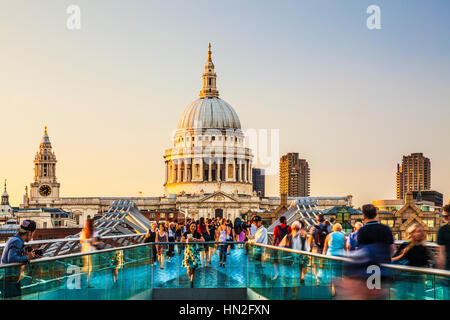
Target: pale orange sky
[349, 100]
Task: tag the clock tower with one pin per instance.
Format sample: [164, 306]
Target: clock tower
[45, 188]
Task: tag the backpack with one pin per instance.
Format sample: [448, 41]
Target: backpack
[320, 234]
[282, 234]
[289, 242]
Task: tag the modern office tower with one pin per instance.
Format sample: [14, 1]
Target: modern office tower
[294, 176]
[413, 174]
[259, 181]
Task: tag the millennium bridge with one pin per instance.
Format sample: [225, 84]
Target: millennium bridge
[252, 271]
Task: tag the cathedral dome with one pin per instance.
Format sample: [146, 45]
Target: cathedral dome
[209, 113]
[209, 153]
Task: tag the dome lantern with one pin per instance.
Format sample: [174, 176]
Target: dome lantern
[209, 89]
[209, 111]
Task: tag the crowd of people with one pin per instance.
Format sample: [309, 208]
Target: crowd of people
[199, 240]
[205, 237]
[330, 239]
[370, 244]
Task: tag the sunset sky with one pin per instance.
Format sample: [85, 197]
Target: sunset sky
[350, 100]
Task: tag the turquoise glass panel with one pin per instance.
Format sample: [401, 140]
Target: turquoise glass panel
[133, 272]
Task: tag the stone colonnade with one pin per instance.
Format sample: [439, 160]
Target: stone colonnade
[208, 170]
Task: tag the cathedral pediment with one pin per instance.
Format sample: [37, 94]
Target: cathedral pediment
[219, 196]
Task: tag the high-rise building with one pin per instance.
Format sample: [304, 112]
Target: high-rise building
[294, 176]
[413, 174]
[259, 181]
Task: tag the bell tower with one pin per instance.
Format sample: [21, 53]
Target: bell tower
[45, 188]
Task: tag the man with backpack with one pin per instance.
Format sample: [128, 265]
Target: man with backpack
[318, 234]
[280, 231]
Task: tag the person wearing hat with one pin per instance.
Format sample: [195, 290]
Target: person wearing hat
[14, 248]
[260, 235]
[253, 227]
[14, 252]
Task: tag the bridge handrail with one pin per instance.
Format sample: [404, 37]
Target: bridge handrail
[36, 242]
[396, 242]
[40, 242]
[436, 272]
[78, 254]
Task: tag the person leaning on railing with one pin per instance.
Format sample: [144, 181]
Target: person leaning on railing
[15, 252]
[259, 237]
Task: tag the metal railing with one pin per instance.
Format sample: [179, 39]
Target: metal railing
[431, 271]
[38, 283]
[58, 247]
[432, 246]
[79, 254]
[116, 240]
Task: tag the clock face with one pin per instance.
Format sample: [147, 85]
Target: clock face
[45, 190]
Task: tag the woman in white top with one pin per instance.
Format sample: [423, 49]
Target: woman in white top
[171, 235]
[161, 236]
[223, 232]
[89, 241]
